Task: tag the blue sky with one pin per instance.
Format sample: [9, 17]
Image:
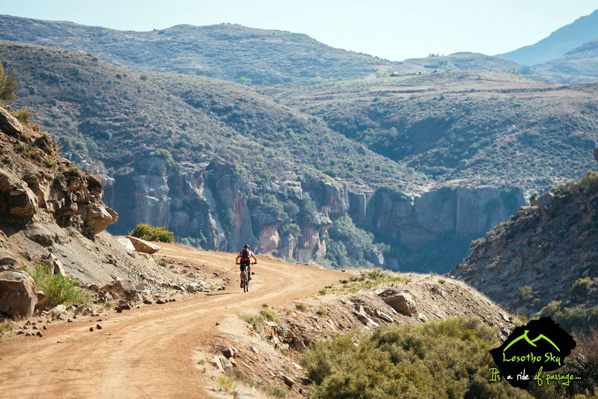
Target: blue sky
[392, 29]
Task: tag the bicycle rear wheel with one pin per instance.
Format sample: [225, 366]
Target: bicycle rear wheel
[246, 281]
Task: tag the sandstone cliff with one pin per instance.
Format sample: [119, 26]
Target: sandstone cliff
[217, 208]
[48, 206]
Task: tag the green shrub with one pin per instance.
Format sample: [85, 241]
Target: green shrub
[570, 319]
[476, 243]
[446, 359]
[562, 189]
[269, 315]
[583, 363]
[301, 307]
[47, 162]
[255, 321]
[226, 383]
[22, 147]
[270, 390]
[581, 288]
[590, 179]
[8, 84]
[6, 326]
[60, 180]
[526, 293]
[59, 289]
[23, 116]
[149, 233]
[274, 391]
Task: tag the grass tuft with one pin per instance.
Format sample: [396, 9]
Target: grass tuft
[59, 289]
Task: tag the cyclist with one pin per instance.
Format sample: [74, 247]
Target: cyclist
[245, 255]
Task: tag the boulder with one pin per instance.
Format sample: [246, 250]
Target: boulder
[402, 302]
[288, 380]
[384, 316]
[230, 352]
[99, 217]
[58, 310]
[8, 261]
[127, 244]
[544, 201]
[123, 289]
[41, 298]
[143, 246]
[9, 124]
[18, 295]
[194, 287]
[55, 264]
[18, 200]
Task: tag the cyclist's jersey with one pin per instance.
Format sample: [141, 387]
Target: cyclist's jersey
[250, 254]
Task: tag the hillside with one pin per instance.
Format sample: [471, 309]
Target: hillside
[167, 147]
[545, 253]
[230, 52]
[485, 140]
[463, 61]
[463, 128]
[577, 65]
[198, 156]
[557, 43]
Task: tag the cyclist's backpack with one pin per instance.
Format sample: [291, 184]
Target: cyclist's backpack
[245, 254]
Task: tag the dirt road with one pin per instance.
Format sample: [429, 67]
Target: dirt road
[146, 352]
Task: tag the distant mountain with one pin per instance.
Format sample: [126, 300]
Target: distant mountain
[474, 128]
[578, 65]
[229, 52]
[558, 43]
[463, 61]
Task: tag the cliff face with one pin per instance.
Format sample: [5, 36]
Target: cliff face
[70, 197]
[47, 206]
[212, 207]
[546, 246]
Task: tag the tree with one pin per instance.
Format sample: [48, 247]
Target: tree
[8, 84]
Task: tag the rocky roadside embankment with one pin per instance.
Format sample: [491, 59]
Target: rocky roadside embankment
[261, 351]
[52, 213]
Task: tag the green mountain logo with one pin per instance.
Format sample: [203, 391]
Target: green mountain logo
[531, 342]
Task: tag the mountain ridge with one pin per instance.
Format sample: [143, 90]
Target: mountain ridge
[252, 55]
[559, 42]
[576, 66]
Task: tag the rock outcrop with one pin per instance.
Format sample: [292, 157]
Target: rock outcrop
[402, 302]
[143, 246]
[537, 256]
[70, 197]
[18, 296]
[215, 209]
[52, 213]
[122, 289]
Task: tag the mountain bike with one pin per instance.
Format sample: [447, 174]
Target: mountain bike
[246, 278]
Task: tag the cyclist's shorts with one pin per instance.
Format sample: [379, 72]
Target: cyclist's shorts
[243, 263]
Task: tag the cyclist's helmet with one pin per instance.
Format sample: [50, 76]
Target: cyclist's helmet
[246, 246]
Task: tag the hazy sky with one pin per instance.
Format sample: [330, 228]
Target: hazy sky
[392, 29]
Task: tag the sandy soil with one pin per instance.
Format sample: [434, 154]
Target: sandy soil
[147, 352]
